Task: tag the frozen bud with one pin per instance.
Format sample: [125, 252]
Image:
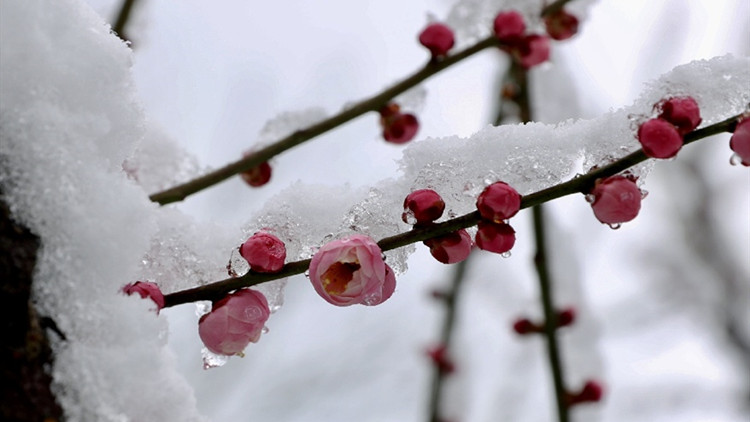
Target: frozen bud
[524, 326]
[659, 138]
[234, 322]
[509, 27]
[566, 317]
[146, 289]
[450, 248]
[682, 112]
[351, 270]
[561, 25]
[439, 357]
[264, 252]
[533, 50]
[740, 141]
[423, 206]
[257, 176]
[498, 202]
[617, 199]
[495, 237]
[591, 392]
[438, 38]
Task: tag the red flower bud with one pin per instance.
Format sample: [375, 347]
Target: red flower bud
[257, 176]
[495, 237]
[146, 289]
[566, 317]
[533, 50]
[509, 27]
[683, 112]
[264, 252]
[398, 128]
[524, 326]
[561, 25]
[438, 38]
[591, 392]
[740, 141]
[450, 248]
[498, 202]
[439, 357]
[659, 138]
[616, 200]
[422, 206]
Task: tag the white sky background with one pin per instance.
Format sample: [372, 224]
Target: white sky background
[212, 73]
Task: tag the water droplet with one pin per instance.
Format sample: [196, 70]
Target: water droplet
[408, 217]
[237, 265]
[590, 198]
[644, 193]
[265, 330]
[615, 226]
[506, 254]
[307, 273]
[212, 360]
[735, 159]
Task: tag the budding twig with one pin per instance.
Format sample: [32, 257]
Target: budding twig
[581, 184]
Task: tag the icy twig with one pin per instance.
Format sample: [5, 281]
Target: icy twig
[581, 184]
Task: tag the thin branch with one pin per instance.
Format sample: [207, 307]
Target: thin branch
[550, 315]
[580, 184]
[554, 7]
[122, 18]
[373, 103]
[446, 334]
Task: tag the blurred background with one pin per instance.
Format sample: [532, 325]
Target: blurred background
[663, 302]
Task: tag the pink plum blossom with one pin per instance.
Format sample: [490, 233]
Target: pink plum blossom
[740, 141]
[264, 252]
[616, 200]
[234, 322]
[509, 27]
[146, 289]
[351, 271]
[450, 248]
[438, 38]
[659, 138]
[498, 202]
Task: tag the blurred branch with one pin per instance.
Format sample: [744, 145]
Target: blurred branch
[581, 184]
[554, 7]
[450, 299]
[122, 19]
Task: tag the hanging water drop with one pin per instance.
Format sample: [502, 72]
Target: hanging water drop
[212, 360]
[202, 308]
[590, 198]
[265, 330]
[506, 254]
[735, 159]
[644, 193]
[615, 226]
[237, 265]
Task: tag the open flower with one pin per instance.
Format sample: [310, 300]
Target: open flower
[234, 322]
[351, 270]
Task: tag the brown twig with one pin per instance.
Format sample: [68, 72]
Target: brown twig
[122, 18]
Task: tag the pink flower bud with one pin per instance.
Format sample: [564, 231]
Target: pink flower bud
[533, 50]
[450, 248]
[495, 237]
[617, 199]
[740, 141]
[509, 27]
[659, 138]
[498, 202]
[351, 270]
[234, 322]
[438, 38]
[591, 392]
[524, 326]
[146, 289]
[682, 112]
[264, 252]
[566, 317]
[422, 206]
[257, 176]
[439, 357]
[398, 128]
[561, 25]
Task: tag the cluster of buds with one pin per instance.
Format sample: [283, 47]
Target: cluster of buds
[525, 326]
[662, 137]
[398, 127]
[497, 203]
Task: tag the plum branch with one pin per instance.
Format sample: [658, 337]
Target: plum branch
[581, 184]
